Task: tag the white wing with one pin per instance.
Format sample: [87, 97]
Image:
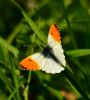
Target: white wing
[50, 66]
[54, 37]
[32, 62]
[37, 61]
[54, 41]
[59, 54]
[39, 58]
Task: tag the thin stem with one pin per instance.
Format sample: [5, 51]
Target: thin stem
[27, 87]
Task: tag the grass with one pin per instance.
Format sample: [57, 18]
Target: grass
[30, 29]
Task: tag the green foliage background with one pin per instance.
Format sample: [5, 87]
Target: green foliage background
[24, 27]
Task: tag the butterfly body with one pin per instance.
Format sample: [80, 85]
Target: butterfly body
[51, 59]
[48, 52]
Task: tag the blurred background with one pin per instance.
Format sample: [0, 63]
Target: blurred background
[24, 26]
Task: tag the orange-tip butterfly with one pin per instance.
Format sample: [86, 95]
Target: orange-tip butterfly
[51, 59]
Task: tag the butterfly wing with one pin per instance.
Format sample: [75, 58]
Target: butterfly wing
[54, 41]
[38, 62]
[54, 37]
[33, 62]
[59, 54]
[50, 66]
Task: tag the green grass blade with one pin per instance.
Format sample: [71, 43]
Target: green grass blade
[6, 81]
[55, 92]
[14, 91]
[4, 66]
[14, 74]
[71, 78]
[68, 24]
[14, 32]
[35, 28]
[10, 47]
[78, 52]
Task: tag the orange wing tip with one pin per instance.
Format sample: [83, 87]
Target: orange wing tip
[54, 32]
[29, 64]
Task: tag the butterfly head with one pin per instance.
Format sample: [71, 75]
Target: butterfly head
[54, 32]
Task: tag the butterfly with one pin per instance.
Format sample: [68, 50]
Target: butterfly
[51, 59]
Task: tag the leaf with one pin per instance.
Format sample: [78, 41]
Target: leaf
[78, 52]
